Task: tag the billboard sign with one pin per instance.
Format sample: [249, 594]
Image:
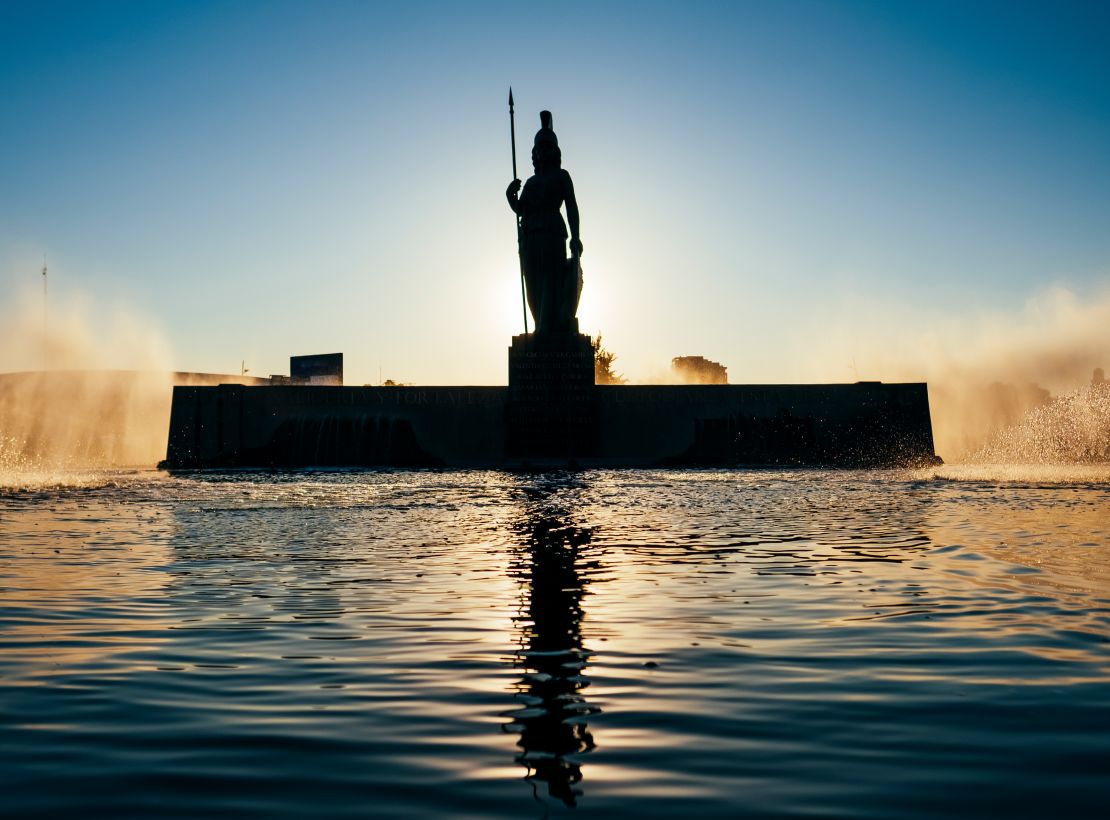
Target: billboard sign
[323, 368]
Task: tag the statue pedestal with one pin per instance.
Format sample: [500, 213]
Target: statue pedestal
[552, 412]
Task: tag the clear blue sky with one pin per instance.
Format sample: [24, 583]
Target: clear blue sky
[266, 179]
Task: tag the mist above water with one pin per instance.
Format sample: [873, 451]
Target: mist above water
[1028, 374]
[81, 387]
[987, 373]
[1069, 429]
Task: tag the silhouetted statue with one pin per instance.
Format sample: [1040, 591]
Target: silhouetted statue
[554, 283]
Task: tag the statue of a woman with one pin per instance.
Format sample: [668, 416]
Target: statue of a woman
[554, 283]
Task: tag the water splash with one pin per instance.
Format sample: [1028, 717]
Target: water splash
[1066, 440]
[69, 420]
[1073, 429]
[986, 370]
[66, 410]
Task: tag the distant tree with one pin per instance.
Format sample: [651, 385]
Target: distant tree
[603, 364]
[698, 370]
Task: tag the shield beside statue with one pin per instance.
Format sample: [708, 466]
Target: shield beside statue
[572, 293]
[558, 301]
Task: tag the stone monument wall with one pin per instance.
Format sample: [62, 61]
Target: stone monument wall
[868, 424]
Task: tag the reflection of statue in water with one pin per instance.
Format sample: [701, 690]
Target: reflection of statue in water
[554, 283]
[552, 722]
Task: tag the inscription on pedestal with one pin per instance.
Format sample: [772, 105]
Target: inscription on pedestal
[552, 410]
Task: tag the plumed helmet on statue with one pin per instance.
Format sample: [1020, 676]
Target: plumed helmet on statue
[545, 150]
[545, 134]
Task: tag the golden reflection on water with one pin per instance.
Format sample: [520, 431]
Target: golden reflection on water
[1060, 545]
[81, 582]
[628, 635]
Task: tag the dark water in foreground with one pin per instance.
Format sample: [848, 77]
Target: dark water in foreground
[492, 645]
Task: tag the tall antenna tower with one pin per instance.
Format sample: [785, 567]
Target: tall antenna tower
[45, 336]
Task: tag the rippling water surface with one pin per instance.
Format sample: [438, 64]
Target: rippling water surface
[496, 645]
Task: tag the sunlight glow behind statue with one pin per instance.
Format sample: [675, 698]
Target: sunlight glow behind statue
[554, 282]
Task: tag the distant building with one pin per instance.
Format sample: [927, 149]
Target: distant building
[187, 379]
[323, 368]
[698, 370]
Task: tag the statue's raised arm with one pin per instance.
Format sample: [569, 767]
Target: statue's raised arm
[554, 282]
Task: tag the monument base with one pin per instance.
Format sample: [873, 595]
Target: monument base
[720, 425]
[552, 410]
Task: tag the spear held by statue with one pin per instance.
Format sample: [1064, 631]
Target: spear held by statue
[519, 248]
